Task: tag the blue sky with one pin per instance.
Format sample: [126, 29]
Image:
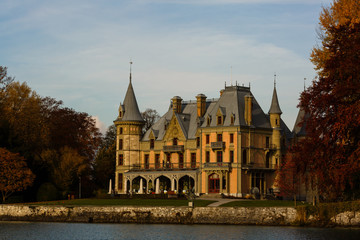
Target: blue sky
[79, 51]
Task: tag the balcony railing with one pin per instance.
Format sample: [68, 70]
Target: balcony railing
[217, 165]
[218, 145]
[173, 148]
[259, 166]
[165, 166]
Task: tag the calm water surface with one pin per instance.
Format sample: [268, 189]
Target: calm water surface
[53, 231]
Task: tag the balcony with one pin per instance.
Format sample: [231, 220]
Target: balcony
[182, 166]
[173, 148]
[218, 145]
[270, 147]
[217, 166]
[259, 166]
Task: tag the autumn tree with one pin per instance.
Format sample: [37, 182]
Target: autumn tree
[14, 174]
[150, 116]
[288, 178]
[330, 154]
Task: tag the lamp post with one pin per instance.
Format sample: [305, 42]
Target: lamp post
[79, 187]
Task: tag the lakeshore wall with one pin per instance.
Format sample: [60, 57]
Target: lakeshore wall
[170, 215]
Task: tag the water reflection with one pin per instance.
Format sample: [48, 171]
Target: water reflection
[54, 231]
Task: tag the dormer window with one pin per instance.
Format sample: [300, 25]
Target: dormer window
[208, 121]
[219, 120]
[152, 143]
[175, 141]
[120, 114]
[232, 120]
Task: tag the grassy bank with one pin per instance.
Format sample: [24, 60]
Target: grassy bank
[125, 202]
[261, 203]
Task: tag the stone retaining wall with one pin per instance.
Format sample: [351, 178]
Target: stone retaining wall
[172, 215]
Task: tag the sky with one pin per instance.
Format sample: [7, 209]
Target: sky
[79, 51]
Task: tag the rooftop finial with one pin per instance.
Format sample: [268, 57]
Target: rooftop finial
[304, 83]
[130, 69]
[231, 75]
[274, 80]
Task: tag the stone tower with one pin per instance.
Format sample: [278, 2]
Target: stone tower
[275, 121]
[129, 126]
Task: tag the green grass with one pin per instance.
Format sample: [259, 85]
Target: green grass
[125, 202]
[261, 203]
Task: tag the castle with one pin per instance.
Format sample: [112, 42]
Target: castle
[213, 146]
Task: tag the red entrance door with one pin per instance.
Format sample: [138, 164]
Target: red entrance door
[214, 183]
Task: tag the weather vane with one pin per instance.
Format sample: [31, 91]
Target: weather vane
[130, 68]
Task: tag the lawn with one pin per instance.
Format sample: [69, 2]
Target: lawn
[261, 203]
[125, 202]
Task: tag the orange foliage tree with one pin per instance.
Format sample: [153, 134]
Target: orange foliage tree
[330, 154]
[14, 174]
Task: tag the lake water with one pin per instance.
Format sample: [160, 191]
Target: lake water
[54, 231]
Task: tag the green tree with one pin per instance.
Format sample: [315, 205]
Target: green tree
[14, 174]
[104, 164]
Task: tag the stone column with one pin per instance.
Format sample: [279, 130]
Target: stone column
[141, 190]
[227, 182]
[157, 188]
[221, 182]
[206, 183]
[125, 185]
[172, 184]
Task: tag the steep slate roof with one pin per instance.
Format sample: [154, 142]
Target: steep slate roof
[130, 106]
[275, 108]
[299, 128]
[231, 103]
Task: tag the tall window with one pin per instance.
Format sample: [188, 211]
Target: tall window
[198, 142]
[146, 160]
[193, 160]
[231, 138]
[121, 130]
[121, 159]
[219, 120]
[181, 160]
[207, 156]
[120, 144]
[152, 143]
[120, 181]
[175, 141]
[207, 138]
[168, 157]
[157, 160]
[244, 157]
[231, 156]
[267, 142]
[219, 156]
[219, 137]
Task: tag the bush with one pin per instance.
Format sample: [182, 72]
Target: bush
[47, 192]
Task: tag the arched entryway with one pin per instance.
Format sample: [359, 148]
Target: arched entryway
[139, 185]
[186, 183]
[214, 183]
[164, 184]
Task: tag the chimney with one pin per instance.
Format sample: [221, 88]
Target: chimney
[248, 109]
[201, 104]
[176, 104]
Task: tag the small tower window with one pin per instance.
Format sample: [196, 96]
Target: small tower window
[121, 160]
[175, 141]
[120, 144]
[120, 114]
[207, 138]
[232, 120]
[198, 142]
[121, 130]
[231, 138]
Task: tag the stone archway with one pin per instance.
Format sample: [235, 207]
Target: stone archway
[139, 185]
[162, 183]
[185, 183]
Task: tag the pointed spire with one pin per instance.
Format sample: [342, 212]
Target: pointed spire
[275, 107]
[130, 70]
[131, 108]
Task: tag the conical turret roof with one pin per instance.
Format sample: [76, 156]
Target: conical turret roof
[131, 108]
[275, 107]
